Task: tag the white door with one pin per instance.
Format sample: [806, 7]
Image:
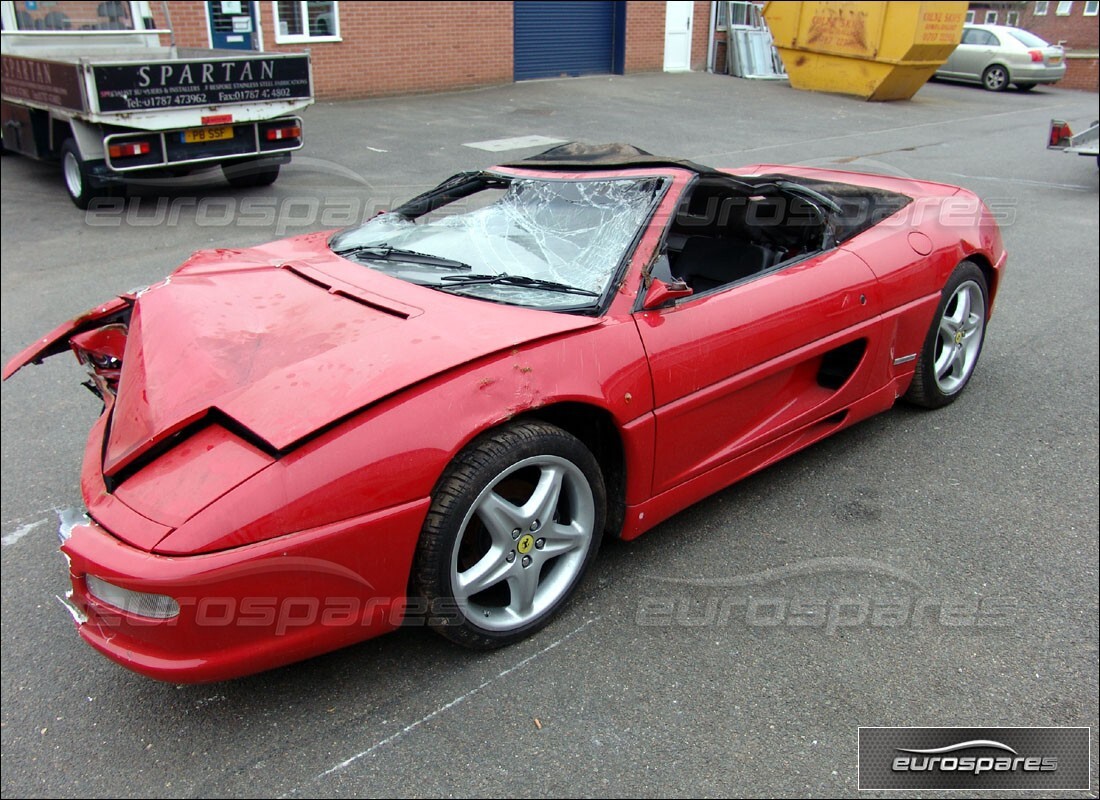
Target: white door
[678, 19]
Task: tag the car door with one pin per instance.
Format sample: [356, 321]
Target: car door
[978, 49]
[739, 366]
[958, 55]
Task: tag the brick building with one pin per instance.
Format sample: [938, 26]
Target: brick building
[362, 48]
[369, 49]
[1072, 23]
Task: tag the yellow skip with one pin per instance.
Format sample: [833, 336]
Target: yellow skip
[875, 50]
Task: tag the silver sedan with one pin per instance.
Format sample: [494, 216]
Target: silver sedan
[997, 55]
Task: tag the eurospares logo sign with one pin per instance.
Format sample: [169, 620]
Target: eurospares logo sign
[974, 758]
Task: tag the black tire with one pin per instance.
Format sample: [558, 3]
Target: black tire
[485, 520]
[74, 174]
[1025, 87]
[995, 78]
[954, 342]
[250, 174]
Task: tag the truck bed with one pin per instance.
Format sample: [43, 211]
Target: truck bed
[110, 85]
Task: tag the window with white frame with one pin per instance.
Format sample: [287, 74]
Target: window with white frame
[1091, 7]
[1064, 8]
[1041, 7]
[1012, 18]
[745, 14]
[990, 17]
[970, 17]
[306, 20]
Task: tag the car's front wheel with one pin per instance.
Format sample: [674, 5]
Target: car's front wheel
[995, 78]
[954, 340]
[514, 523]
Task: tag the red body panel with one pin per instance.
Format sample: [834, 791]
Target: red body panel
[57, 340]
[395, 453]
[712, 398]
[283, 413]
[199, 470]
[283, 356]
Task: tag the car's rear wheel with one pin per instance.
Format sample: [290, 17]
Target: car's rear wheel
[514, 523]
[995, 78]
[954, 341]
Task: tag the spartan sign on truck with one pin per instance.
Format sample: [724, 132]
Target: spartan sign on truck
[129, 87]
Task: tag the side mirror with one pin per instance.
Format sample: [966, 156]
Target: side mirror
[660, 293]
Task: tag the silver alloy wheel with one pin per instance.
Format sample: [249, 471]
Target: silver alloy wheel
[960, 337]
[74, 177]
[523, 542]
[995, 78]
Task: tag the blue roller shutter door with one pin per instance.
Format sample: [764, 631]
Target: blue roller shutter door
[552, 39]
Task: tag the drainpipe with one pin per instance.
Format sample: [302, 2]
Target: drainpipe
[710, 38]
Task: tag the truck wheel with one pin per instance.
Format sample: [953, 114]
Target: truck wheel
[250, 174]
[74, 171]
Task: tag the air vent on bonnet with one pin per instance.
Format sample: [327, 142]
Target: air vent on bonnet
[362, 296]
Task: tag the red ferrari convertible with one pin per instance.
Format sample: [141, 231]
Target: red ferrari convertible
[438, 415]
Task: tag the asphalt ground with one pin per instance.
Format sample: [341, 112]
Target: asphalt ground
[950, 558]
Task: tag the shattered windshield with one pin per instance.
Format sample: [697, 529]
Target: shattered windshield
[551, 244]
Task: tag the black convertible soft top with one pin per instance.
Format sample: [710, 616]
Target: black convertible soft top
[580, 156]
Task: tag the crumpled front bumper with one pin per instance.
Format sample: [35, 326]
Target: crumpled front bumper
[250, 608]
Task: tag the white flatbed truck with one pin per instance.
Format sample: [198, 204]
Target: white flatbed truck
[110, 102]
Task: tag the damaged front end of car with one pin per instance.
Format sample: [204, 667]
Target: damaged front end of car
[98, 340]
[190, 515]
[258, 478]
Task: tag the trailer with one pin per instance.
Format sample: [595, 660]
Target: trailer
[1086, 143]
[109, 101]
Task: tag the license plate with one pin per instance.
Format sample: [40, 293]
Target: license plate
[211, 134]
[1054, 59]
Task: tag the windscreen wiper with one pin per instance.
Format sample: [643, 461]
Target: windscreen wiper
[383, 252]
[504, 279]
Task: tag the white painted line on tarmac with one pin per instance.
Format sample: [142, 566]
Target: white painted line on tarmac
[1024, 182]
[11, 538]
[514, 143]
[347, 762]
